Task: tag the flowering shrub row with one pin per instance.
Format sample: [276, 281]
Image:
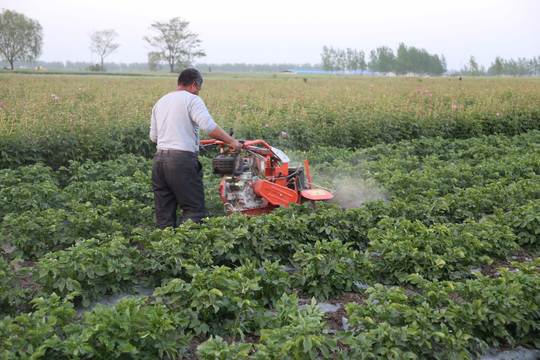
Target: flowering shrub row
[77, 118]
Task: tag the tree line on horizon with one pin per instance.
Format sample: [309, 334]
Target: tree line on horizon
[175, 47]
[143, 66]
[500, 67]
[411, 60]
[383, 60]
[513, 67]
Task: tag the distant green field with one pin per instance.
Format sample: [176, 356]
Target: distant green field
[342, 111]
[284, 101]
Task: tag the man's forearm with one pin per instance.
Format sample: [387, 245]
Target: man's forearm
[219, 134]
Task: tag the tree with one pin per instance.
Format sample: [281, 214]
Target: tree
[153, 61]
[362, 60]
[535, 64]
[101, 43]
[524, 67]
[21, 38]
[328, 58]
[443, 63]
[341, 59]
[473, 66]
[174, 43]
[355, 60]
[403, 63]
[497, 67]
[382, 59]
[338, 59]
[436, 66]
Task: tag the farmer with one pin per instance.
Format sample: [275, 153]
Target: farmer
[176, 172]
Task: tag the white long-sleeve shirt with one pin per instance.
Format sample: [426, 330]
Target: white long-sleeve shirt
[176, 119]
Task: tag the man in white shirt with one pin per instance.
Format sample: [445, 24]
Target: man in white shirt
[176, 172]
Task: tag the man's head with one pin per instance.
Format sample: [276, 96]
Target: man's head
[190, 76]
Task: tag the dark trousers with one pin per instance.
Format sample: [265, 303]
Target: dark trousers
[177, 181]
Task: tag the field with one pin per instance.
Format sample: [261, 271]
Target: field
[41, 114]
[430, 250]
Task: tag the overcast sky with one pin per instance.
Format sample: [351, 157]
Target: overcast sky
[293, 31]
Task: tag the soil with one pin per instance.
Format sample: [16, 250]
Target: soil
[192, 347]
[25, 281]
[334, 319]
[492, 270]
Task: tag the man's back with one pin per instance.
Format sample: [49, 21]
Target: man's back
[176, 119]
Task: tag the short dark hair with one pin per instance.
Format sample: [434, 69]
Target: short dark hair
[190, 76]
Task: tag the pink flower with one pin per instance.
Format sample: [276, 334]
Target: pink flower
[430, 94]
[265, 125]
[53, 95]
[283, 133]
[2, 103]
[497, 114]
[454, 106]
[417, 90]
[371, 85]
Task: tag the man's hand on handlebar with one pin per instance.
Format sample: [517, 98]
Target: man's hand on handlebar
[235, 145]
[221, 135]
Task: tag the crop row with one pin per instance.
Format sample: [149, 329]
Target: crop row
[438, 320]
[330, 258]
[73, 235]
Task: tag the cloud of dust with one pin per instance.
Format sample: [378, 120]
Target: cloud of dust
[351, 193]
[346, 180]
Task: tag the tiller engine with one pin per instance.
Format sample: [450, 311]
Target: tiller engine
[259, 179]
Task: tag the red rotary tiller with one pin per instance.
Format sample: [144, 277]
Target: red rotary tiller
[259, 179]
